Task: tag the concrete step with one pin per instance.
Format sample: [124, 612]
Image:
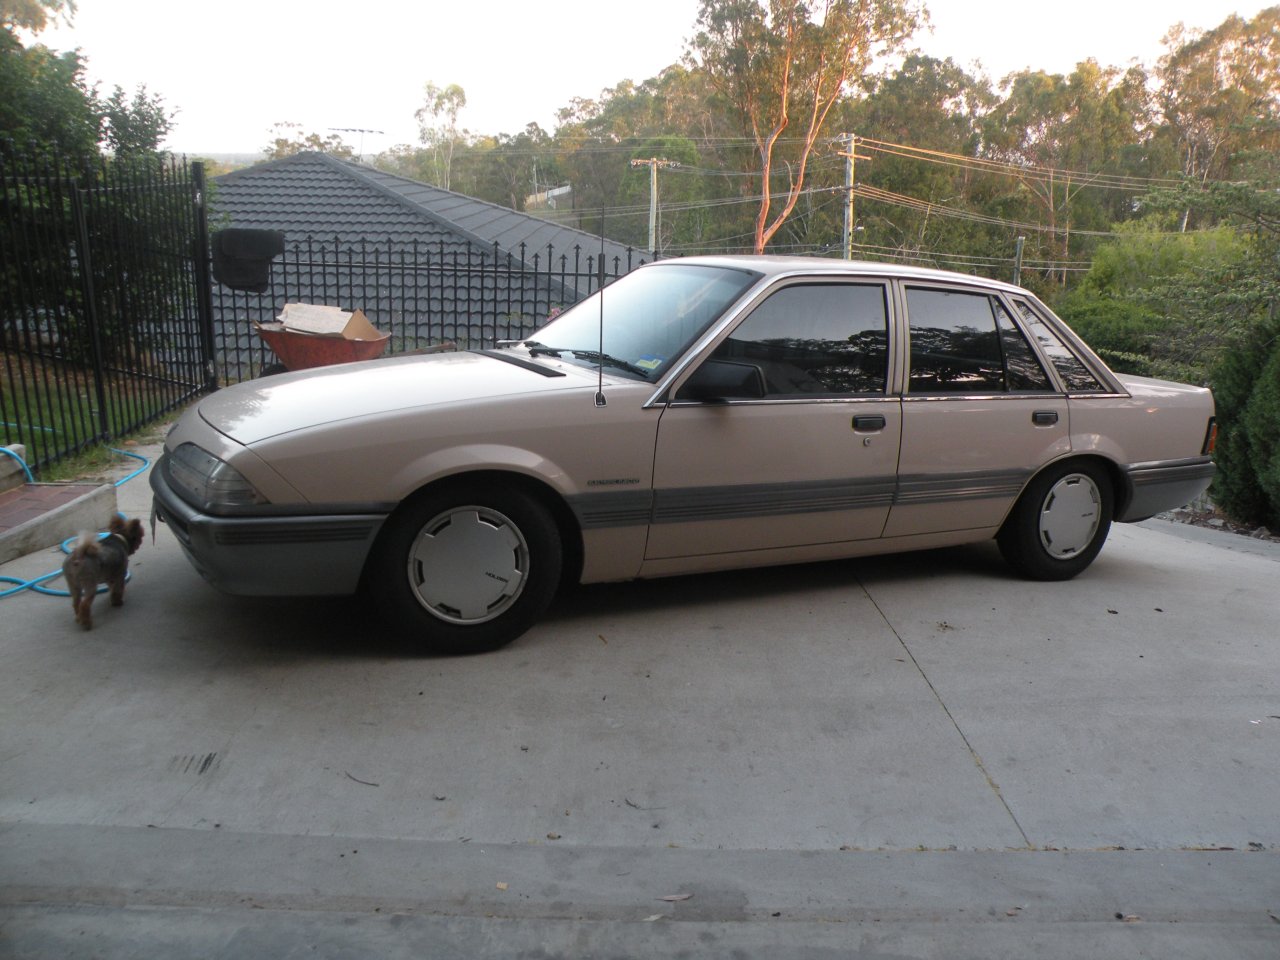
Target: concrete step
[35, 516]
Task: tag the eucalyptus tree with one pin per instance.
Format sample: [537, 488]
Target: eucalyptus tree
[936, 106]
[1063, 135]
[33, 15]
[506, 169]
[438, 129]
[781, 66]
[1219, 93]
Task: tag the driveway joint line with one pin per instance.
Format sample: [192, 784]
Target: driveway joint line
[995, 787]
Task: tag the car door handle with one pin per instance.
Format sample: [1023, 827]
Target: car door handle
[869, 423]
[1044, 418]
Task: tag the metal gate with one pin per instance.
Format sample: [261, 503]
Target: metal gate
[104, 298]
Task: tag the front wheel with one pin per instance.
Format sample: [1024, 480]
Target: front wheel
[1059, 523]
[466, 569]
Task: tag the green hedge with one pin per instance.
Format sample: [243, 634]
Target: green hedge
[1246, 387]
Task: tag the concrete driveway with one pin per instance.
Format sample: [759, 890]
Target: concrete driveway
[916, 756]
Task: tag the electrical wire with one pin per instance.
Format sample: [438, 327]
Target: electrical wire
[1021, 171]
[560, 216]
[875, 194]
[902, 200]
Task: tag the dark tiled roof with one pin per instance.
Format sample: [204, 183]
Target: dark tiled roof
[418, 260]
[313, 194]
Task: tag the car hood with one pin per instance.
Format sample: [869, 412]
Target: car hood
[256, 410]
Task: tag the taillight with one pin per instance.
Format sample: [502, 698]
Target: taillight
[1210, 437]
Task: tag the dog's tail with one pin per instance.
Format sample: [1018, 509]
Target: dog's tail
[87, 545]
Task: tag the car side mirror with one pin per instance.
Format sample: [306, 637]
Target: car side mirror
[718, 381]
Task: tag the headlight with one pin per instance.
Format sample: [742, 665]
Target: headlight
[209, 482]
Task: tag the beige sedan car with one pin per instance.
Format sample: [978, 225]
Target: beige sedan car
[697, 414]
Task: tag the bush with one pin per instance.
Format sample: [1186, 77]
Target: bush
[1121, 332]
[1163, 305]
[1262, 427]
[1246, 388]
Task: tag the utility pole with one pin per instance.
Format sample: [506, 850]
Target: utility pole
[1017, 261]
[653, 163]
[850, 218]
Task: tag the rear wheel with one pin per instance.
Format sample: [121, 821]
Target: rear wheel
[465, 570]
[1059, 523]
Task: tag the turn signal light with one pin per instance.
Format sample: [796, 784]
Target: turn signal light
[1210, 437]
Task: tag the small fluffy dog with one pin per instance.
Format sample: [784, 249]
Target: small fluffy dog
[95, 561]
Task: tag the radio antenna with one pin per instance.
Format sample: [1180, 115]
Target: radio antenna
[600, 402]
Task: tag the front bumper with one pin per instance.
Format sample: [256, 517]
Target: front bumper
[269, 555]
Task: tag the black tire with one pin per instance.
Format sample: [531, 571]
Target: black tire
[466, 569]
[1060, 522]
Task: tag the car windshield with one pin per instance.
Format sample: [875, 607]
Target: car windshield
[651, 316]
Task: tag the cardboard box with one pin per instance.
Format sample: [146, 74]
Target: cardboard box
[323, 321]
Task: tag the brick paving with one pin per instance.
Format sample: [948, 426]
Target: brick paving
[33, 500]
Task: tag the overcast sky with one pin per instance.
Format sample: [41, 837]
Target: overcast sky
[233, 68]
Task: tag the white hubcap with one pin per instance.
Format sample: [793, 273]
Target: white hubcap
[468, 565]
[1070, 515]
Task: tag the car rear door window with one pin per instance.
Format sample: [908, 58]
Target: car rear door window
[955, 347]
[964, 342]
[816, 339]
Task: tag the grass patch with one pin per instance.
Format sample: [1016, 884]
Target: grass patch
[96, 464]
[52, 407]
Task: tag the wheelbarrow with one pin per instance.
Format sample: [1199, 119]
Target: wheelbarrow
[300, 351]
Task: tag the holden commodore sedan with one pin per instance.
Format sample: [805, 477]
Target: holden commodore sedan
[697, 414]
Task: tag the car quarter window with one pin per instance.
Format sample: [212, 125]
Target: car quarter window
[1023, 370]
[1075, 375]
[815, 339]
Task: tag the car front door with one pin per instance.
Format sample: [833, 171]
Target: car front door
[785, 434]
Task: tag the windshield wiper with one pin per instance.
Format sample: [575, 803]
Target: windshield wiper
[537, 349]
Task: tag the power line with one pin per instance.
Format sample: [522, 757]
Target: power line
[902, 200]
[679, 207]
[1021, 171]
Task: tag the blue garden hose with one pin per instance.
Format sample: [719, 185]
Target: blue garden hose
[35, 585]
[22, 463]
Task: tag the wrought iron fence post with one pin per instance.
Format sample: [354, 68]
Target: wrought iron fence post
[204, 279]
[90, 314]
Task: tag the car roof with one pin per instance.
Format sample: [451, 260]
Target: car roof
[781, 265]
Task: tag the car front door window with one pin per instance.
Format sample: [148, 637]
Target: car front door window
[814, 340]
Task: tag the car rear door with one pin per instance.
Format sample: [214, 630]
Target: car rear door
[980, 415]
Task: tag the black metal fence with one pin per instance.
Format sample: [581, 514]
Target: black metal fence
[111, 320]
[423, 294]
[103, 299]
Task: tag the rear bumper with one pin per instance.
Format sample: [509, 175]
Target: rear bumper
[1164, 485]
[294, 555]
